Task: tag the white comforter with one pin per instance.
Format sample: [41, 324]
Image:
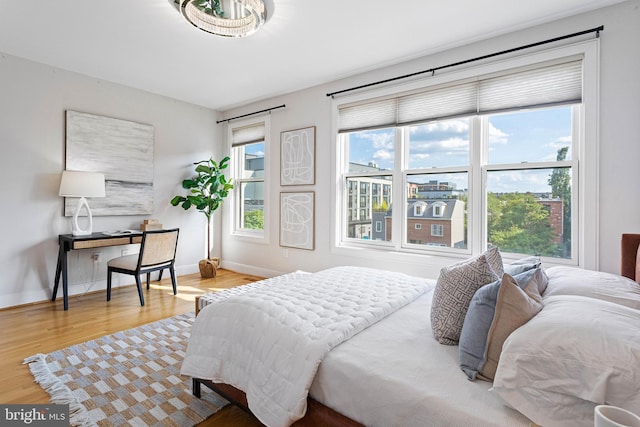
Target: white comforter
[269, 342]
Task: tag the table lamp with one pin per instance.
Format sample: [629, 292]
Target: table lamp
[82, 184]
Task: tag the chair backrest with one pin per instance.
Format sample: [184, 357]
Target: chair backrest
[158, 247]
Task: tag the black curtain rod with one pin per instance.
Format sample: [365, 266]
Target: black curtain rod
[251, 114]
[478, 58]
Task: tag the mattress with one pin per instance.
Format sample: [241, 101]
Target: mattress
[395, 373]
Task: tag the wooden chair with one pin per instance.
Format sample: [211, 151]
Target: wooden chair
[157, 252]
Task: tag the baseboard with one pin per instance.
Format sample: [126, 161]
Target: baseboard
[249, 269]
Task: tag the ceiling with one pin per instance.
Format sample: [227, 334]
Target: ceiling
[146, 44]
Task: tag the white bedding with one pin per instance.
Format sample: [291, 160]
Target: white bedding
[270, 341]
[396, 374]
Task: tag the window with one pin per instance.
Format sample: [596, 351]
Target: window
[248, 145]
[494, 156]
[438, 209]
[363, 181]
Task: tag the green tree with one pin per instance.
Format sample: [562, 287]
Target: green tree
[518, 223]
[254, 219]
[381, 207]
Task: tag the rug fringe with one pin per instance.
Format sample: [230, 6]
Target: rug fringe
[60, 393]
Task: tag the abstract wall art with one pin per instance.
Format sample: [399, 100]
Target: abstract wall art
[123, 151]
[297, 220]
[297, 156]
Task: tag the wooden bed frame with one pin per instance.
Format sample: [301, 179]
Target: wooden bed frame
[629, 261]
[319, 415]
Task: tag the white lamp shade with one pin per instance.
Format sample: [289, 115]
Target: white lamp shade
[82, 184]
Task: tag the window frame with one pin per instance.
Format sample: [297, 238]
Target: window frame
[584, 163]
[253, 235]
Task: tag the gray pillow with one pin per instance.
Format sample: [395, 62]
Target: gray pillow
[455, 287]
[477, 322]
[522, 265]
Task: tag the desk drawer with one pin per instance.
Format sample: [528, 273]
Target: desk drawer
[97, 243]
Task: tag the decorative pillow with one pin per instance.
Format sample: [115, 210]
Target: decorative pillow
[455, 287]
[578, 352]
[514, 308]
[474, 351]
[522, 265]
[594, 284]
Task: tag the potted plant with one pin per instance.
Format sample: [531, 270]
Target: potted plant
[207, 191]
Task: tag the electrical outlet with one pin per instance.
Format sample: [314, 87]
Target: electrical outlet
[97, 256]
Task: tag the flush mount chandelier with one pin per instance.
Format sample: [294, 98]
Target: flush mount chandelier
[228, 18]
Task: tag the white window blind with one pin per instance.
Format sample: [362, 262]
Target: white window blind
[546, 85]
[248, 134]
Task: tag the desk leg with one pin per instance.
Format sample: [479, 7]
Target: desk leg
[56, 281]
[61, 270]
[65, 279]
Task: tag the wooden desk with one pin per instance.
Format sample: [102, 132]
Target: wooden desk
[67, 242]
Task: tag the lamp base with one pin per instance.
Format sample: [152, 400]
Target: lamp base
[76, 230]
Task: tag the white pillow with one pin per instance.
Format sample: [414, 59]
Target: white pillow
[576, 353]
[595, 284]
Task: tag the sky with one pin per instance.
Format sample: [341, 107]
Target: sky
[516, 137]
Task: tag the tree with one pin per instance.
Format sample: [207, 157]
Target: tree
[254, 219]
[518, 223]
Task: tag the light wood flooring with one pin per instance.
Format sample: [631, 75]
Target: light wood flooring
[45, 327]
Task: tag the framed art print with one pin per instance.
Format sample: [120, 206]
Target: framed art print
[123, 151]
[298, 156]
[297, 222]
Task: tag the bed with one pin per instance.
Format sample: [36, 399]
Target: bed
[401, 363]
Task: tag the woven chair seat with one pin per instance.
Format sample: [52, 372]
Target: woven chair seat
[157, 252]
[129, 262]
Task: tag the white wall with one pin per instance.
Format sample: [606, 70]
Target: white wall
[619, 136]
[33, 100]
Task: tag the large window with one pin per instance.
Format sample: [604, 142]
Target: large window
[486, 161]
[248, 144]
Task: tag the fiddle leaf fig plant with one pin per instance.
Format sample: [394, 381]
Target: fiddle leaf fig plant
[207, 190]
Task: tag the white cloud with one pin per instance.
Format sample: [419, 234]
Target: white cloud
[497, 136]
[380, 140]
[383, 155]
[453, 145]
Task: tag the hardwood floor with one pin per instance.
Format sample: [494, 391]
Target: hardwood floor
[45, 327]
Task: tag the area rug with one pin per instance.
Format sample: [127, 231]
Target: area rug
[128, 378]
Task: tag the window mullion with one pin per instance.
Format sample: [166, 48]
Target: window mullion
[398, 219]
[476, 199]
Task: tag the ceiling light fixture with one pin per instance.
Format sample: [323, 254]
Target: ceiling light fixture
[228, 18]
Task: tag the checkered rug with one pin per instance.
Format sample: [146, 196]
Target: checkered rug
[128, 378]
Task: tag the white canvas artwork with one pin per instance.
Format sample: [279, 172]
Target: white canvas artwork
[297, 157]
[123, 151]
[297, 220]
